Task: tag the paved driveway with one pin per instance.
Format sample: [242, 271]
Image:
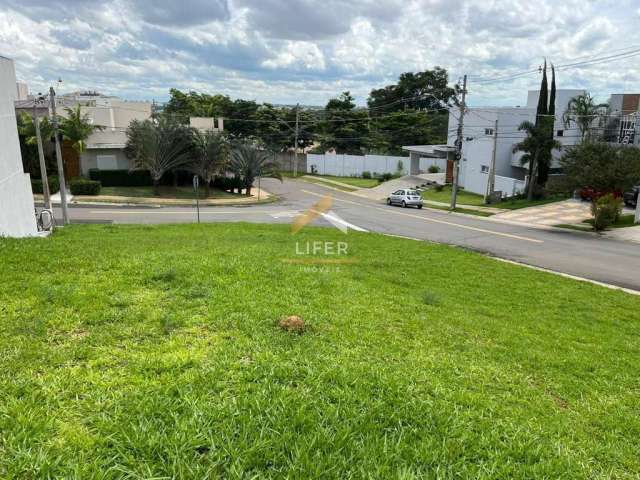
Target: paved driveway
[565, 212]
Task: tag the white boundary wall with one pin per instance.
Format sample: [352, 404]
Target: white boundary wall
[17, 217]
[354, 165]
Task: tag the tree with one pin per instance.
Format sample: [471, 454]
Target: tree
[601, 166]
[77, 128]
[544, 162]
[209, 155]
[158, 147]
[421, 90]
[583, 112]
[535, 143]
[344, 127]
[29, 142]
[248, 163]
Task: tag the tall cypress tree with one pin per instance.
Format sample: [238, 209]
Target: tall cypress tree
[543, 99]
[544, 162]
[541, 112]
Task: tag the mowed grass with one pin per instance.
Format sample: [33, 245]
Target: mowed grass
[444, 195]
[165, 192]
[154, 352]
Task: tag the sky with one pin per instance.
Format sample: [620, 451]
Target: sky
[308, 51]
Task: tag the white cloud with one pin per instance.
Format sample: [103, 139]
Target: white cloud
[300, 50]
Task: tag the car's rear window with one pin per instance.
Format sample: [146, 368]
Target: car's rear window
[412, 192]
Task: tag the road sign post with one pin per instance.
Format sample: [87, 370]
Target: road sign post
[196, 185]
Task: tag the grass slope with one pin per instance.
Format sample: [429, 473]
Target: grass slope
[153, 352]
[165, 192]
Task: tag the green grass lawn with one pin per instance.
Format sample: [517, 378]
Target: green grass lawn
[165, 192]
[154, 352]
[444, 195]
[357, 182]
[469, 198]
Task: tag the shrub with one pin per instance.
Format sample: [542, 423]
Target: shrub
[121, 178]
[36, 185]
[81, 186]
[385, 177]
[439, 187]
[606, 211]
[366, 174]
[433, 169]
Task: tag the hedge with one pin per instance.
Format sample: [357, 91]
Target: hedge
[81, 186]
[121, 178]
[36, 185]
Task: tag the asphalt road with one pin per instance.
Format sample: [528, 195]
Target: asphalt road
[575, 253]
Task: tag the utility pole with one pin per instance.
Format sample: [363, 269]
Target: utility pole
[63, 184]
[295, 165]
[458, 154]
[43, 166]
[491, 181]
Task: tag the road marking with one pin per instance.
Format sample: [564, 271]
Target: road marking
[337, 222]
[444, 222]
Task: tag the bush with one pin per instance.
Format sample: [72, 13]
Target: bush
[366, 174]
[121, 178]
[36, 185]
[385, 177]
[81, 186]
[433, 169]
[228, 183]
[606, 211]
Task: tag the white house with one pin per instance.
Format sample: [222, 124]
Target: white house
[17, 217]
[104, 148]
[479, 142]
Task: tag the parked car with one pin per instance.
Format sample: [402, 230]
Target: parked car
[631, 197]
[588, 193]
[406, 198]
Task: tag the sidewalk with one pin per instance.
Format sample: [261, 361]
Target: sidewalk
[629, 234]
[564, 212]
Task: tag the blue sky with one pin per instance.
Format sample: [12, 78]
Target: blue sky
[288, 51]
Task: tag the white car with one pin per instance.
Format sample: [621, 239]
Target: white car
[406, 198]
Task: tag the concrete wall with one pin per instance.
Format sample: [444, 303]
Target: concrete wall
[89, 159]
[16, 199]
[354, 165]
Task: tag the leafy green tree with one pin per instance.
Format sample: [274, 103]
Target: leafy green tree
[210, 155]
[584, 113]
[601, 166]
[159, 146]
[29, 142]
[77, 127]
[534, 145]
[247, 162]
[344, 127]
[421, 90]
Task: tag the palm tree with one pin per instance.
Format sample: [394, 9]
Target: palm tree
[158, 147]
[210, 155]
[77, 128]
[583, 112]
[248, 163]
[537, 146]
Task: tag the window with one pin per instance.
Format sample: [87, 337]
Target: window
[560, 133]
[488, 131]
[107, 162]
[484, 169]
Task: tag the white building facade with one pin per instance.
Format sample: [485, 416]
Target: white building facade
[479, 135]
[17, 218]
